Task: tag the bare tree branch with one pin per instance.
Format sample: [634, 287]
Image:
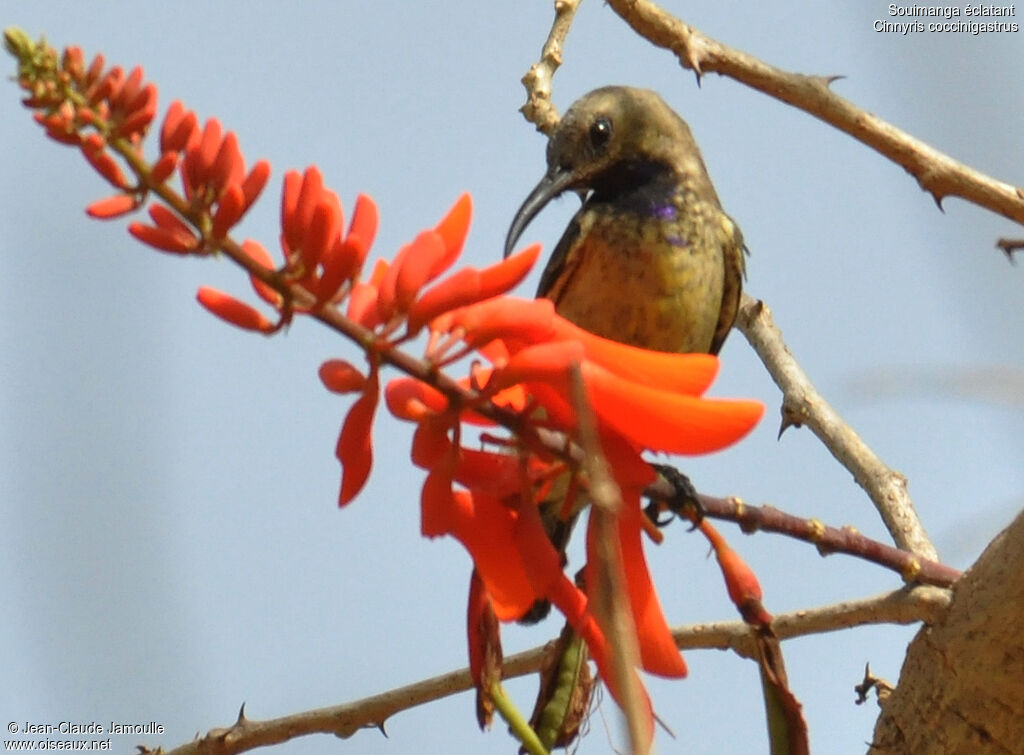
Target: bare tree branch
[937, 173]
[911, 567]
[905, 606]
[539, 109]
[802, 404]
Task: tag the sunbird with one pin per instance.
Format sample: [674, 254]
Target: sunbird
[651, 259]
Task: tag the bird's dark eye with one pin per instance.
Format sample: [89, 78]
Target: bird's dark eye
[600, 131]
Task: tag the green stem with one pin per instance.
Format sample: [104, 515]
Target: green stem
[518, 725]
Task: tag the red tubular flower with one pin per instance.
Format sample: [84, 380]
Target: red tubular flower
[362, 230]
[453, 229]
[340, 376]
[666, 421]
[73, 61]
[112, 207]
[408, 273]
[429, 441]
[362, 305]
[228, 167]
[229, 211]
[514, 321]
[232, 310]
[94, 150]
[437, 500]
[408, 398]
[180, 130]
[496, 474]
[163, 239]
[197, 168]
[140, 114]
[59, 127]
[740, 581]
[301, 194]
[254, 183]
[164, 167]
[355, 443]
[167, 219]
[102, 88]
[364, 220]
[129, 88]
[469, 285]
[322, 231]
[658, 651]
[485, 526]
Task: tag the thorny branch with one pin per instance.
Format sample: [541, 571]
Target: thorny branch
[905, 606]
[937, 173]
[803, 405]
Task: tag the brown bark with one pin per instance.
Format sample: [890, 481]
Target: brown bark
[961, 689]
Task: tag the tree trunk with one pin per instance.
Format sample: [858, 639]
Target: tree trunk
[961, 689]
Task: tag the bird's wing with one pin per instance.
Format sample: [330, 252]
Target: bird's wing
[562, 262]
[733, 253]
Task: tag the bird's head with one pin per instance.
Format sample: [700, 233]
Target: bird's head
[612, 140]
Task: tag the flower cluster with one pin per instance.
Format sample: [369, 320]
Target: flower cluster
[529, 371]
[488, 500]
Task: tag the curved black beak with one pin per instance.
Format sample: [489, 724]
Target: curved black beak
[555, 181]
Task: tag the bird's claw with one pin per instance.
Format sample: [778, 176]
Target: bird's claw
[684, 501]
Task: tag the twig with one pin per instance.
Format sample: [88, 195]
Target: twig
[936, 172]
[539, 109]
[906, 606]
[802, 404]
[910, 566]
[609, 599]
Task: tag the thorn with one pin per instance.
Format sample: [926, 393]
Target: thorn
[690, 60]
[865, 686]
[241, 720]
[790, 418]
[830, 80]
[882, 688]
[383, 731]
[938, 201]
[1009, 247]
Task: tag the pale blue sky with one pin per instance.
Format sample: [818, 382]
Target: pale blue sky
[169, 541]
